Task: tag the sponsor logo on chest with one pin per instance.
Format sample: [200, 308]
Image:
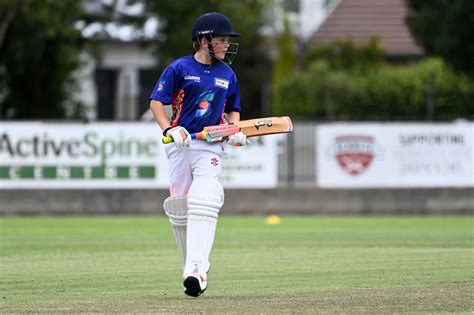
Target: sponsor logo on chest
[192, 78]
[221, 83]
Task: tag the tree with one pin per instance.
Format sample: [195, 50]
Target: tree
[444, 28]
[39, 52]
[346, 55]
[252, 62]
[285, 63]
[41, 44]
[8, 11]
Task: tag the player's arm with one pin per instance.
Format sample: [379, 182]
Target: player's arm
[179, 134]
[158, 110]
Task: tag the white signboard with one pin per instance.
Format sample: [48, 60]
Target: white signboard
[253, 165]
[395, 155]
[111, 155]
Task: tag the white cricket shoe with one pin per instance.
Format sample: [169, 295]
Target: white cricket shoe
[195, 284]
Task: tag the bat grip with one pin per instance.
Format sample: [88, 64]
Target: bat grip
[195, 136]
[166, 140]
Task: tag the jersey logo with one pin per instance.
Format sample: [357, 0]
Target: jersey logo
[161, 86]
[214, 161]
[221, 83]
[192, 78]
[203, 102]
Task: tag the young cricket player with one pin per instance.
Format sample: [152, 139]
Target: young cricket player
[202, 90]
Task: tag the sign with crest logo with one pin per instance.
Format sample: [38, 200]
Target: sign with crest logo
[354, 153]
[375, 155]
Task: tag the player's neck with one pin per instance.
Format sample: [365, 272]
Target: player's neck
[203, 57]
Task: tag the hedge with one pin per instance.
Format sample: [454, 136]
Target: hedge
[383, 93]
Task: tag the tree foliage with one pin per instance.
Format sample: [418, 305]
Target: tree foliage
[365, 88]
[285, 62]
[445, 28]
[346, 55]
[39, 53]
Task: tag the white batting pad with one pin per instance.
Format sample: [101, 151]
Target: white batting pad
[205, 199]
[176, 209]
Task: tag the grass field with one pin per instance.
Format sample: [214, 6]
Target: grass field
[304, 265]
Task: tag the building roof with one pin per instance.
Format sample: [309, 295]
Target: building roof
[361, 19]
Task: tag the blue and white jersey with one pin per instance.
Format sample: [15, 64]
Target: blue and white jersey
[200, 94]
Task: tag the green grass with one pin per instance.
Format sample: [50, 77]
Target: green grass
[305, 265]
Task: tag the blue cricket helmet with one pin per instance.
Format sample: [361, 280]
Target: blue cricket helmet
[214, 24]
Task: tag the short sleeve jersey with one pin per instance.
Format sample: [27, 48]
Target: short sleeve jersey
[199, 94]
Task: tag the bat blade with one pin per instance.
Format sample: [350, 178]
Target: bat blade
[266, 126]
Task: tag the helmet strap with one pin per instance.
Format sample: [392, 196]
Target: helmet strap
[210, 50]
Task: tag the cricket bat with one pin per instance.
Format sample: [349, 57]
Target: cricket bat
[251, 128]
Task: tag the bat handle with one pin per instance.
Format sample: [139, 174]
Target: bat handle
[195, 136]
[166, 140]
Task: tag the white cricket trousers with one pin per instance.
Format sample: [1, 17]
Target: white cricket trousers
[200, 159]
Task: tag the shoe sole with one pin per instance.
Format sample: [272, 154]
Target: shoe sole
[192, 287]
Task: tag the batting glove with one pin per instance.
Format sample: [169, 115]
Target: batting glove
[238, 139]
[180, 135]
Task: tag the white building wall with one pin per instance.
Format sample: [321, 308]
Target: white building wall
[125, 57]
[86, 92]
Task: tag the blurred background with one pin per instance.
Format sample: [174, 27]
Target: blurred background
[381, 93]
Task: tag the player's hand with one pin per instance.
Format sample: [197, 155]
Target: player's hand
[180, 135]
[238, 139]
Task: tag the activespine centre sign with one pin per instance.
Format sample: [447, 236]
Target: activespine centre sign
[106, 155]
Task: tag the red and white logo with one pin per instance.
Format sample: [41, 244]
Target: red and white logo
[355, 153]
[204, 104]
[214, 161]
